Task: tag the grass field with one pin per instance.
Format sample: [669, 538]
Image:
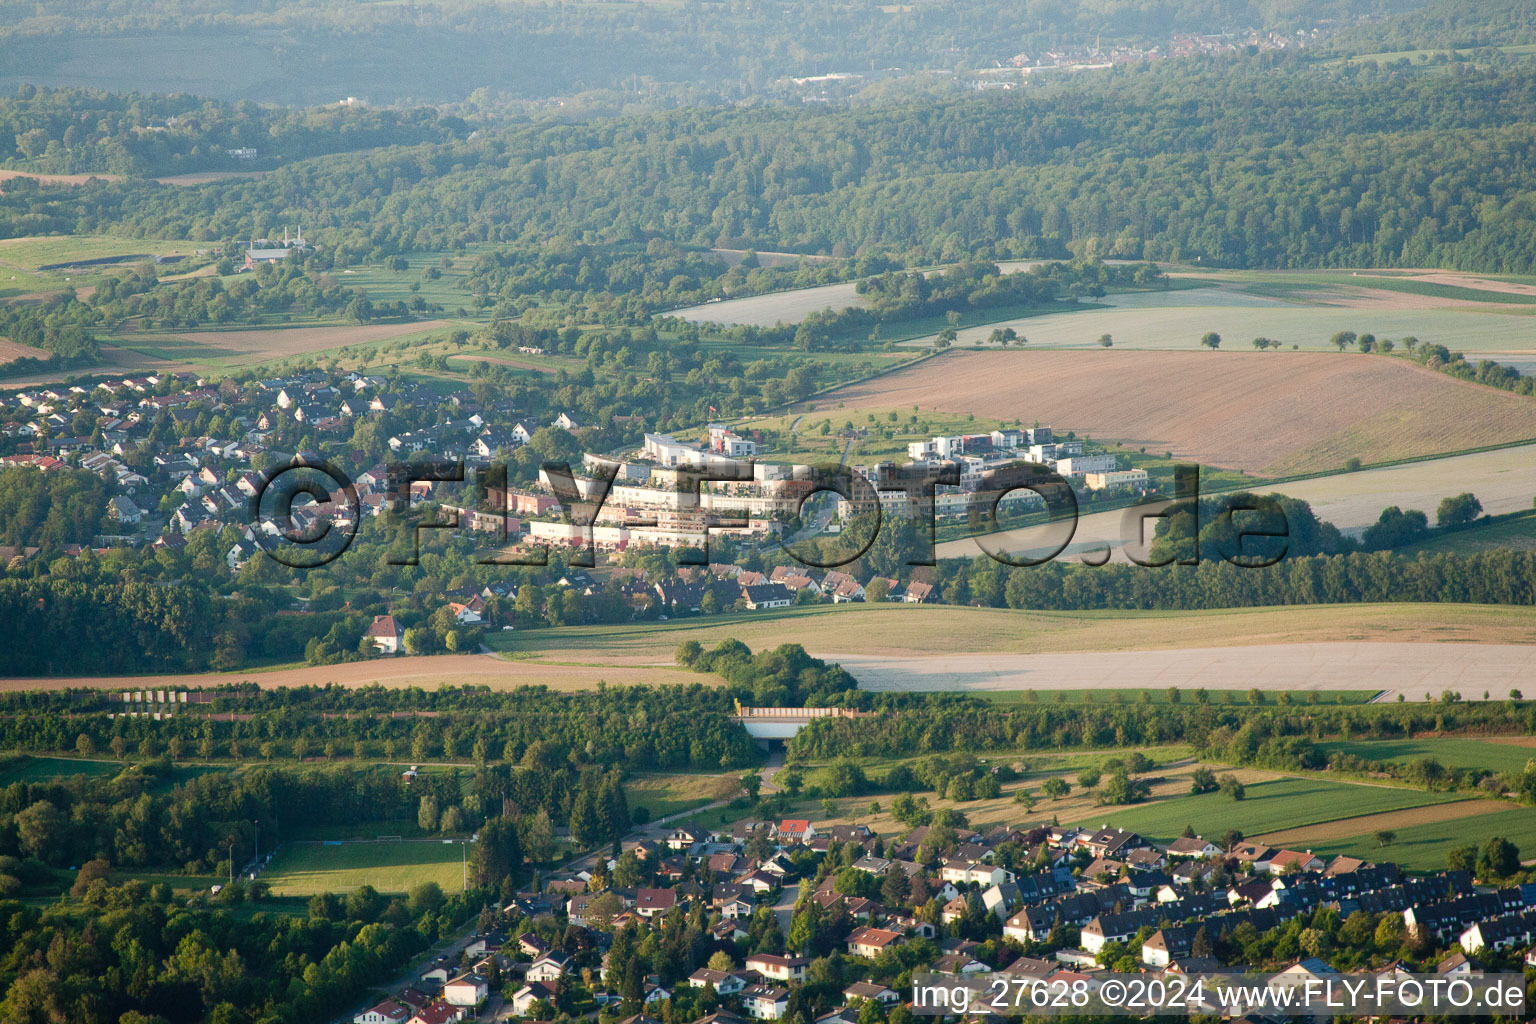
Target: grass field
[1305, 313]
[1424, 847]
[31, 768]
[663, 795]
[1514, 531]
[1270, 414]
[388, 867]
[1499, 754]
[240, 347]
[1270, 805]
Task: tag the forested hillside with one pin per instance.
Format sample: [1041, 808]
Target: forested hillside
[1258, 162]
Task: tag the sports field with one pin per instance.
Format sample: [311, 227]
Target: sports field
[1270, 805]
[309, 868]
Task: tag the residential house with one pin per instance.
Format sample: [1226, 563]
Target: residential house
[870, 990]
[466, 990]
[437, 1013]
[550, 967]
[535, 991]
[765, 1002]
[777, 967]
[1167, 945]
[387, 1012]
[385, 634]
[1193, 846]
[871, 942]
[725, 983]
[651, 902]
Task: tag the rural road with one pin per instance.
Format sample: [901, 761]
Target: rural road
[1415, 670]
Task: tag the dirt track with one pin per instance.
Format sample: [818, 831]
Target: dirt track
[1271, 413]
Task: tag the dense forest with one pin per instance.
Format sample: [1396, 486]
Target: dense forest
[76, 131]
[1266, 162]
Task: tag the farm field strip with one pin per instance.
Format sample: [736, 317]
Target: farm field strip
[1415, 670]
[1495, 753]
[1270, 804]
[1503, 481]
[1424, 847]
[429, 672]
[1271, 414]
[899, 630]
[1309, 836]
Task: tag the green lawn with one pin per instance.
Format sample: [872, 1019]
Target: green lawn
[1270, 806]
[663, 795]
[1452, 751]
[27, 768]
[1424, 847]
[306, 869]
[1515, 531]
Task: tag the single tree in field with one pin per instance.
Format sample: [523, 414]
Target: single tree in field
[1366, 342]
[1459, 510]
[1385, 837]
[945, 338]
[1105, 341]
[1211, 340]
[1055, 788]
[1343, 339]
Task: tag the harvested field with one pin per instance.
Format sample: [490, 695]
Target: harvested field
[1415, 670]
[1503, 481]
[1174, 321]
[426, 672]
[10, 350]
[55, 179]
[204, 177]
[279, 342]
[1308, 836]
[778, 307]
[1265, 413]
[913, 632]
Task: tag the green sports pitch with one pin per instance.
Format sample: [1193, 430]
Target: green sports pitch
[304, 869]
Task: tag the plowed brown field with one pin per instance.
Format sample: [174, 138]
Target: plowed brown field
[1270, 413]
